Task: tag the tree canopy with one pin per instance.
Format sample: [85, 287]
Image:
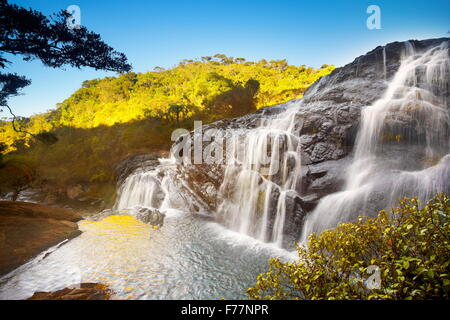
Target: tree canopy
[120, 115]
[31, 34]
[208, 89]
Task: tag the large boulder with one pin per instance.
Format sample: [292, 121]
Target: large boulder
[153, 217]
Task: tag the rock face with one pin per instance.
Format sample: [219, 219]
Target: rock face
[26, 229]
[84, 291]
[326, 123]
[151, 216]
[311, 142]
[136, 162]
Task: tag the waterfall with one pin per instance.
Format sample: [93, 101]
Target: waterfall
[265, 164]
[377, 176]
[401, 149]
[139, 189]
[146, 188]
[159, 187]
[261, 173]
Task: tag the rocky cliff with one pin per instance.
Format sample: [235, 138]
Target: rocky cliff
[312, 141]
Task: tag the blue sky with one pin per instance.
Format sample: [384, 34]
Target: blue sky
[163, 32]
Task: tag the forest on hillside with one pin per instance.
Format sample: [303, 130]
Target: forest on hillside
[136, 112]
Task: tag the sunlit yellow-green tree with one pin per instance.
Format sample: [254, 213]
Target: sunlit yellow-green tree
[108, 119]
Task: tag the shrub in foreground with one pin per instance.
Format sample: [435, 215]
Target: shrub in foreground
[400, 254]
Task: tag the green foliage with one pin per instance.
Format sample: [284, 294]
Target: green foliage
[84, 138]
[177, 110]
[409, 245]
[32, 35]
[215, 88]
[86, 156]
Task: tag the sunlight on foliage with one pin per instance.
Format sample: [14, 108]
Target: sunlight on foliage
[89, 133]
[409, 245]
[214, 88]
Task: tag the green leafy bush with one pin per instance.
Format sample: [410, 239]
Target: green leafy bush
[401, 254]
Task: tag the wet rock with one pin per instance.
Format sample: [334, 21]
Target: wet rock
[295, 216]
[310, 201]
[83, 291]
[135, 162]
[151, 216]
[201, 188]
[27, 229]
[8, 196]
[102, 215]
[326, 177]
[326, 122]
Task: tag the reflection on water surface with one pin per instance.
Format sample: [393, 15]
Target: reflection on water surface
[190, 257]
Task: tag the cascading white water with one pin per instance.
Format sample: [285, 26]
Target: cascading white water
[140, 189]
[265, 165]
[262, 172]
[147, 188]
[262, 166]
[419, 91]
